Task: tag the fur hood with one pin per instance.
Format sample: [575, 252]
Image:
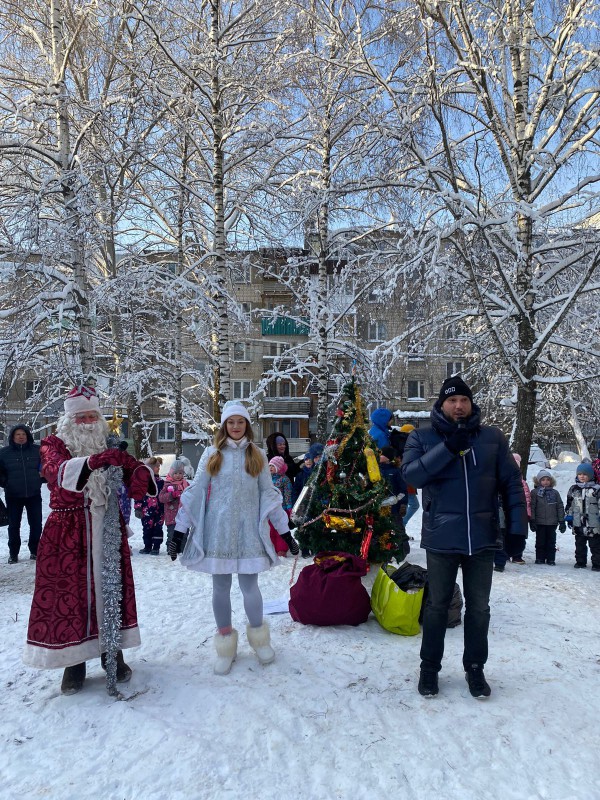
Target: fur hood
[544, 474]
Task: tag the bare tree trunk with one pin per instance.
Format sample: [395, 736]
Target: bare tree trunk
[322, 309]
[582, 447]
[68, 182]
[222, 385]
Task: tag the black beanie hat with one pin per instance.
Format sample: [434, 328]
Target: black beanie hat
[452, 386]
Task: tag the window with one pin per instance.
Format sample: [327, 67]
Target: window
[31, 388]
[246, 308]
[278, 348]
[241, 390]
[416, 390]
[165, 432]
[453, 368]
[376, 332]
[289, 427]
[282, 389]
[241, 351]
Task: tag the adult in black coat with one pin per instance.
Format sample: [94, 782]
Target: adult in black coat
[20, 478]
[461, 466]
[277, 445]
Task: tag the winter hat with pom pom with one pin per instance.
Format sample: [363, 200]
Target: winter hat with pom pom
[279, 464]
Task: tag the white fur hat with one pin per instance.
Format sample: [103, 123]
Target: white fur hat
[82, 398]
[233, 408]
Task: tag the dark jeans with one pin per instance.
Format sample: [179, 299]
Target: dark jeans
[581, 545]
[545, 543]
[442, 570]
[15, 506]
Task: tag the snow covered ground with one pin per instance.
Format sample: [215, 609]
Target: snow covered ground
[337, 715]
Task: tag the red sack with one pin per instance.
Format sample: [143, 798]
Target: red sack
[330, 592]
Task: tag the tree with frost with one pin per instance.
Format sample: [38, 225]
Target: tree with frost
[508, 106]
[224, 60]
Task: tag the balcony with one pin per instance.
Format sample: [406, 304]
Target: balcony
[284, 326]
[286, 407]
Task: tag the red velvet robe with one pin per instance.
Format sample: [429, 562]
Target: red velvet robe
[66, 611]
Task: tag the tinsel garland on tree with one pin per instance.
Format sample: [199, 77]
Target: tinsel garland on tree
[340, 507]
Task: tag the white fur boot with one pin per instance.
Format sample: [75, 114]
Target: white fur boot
[226, 647]
[260, 642]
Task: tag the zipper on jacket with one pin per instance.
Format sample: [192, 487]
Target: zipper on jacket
[464, 460]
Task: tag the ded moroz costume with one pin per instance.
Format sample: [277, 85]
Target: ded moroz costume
[66, 616]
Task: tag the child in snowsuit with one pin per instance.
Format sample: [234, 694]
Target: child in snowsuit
[583, 516]
[547, 511]
[278, 470]
[391, 474]
[152, 513]
[512, 544]
[174, 486]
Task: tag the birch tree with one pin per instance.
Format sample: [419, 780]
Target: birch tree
[509, 99]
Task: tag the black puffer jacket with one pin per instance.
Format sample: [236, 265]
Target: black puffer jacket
[20, 466]
[460, 495]
[292, 468]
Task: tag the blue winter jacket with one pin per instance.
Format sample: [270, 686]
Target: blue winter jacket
[379, 431]
[460, 494]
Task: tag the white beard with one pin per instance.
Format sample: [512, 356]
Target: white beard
[85, 439]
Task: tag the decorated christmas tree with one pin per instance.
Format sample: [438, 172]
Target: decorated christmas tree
[341, 508]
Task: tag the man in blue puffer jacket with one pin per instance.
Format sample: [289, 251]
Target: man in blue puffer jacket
[462, 466]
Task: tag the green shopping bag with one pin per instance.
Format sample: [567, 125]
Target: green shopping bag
[396, 610]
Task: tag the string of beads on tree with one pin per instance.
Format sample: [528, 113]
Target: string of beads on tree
[340, 506]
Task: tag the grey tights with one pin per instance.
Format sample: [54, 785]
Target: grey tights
[253, 602]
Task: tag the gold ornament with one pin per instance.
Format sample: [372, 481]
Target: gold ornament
[339, 523]
[372, 465]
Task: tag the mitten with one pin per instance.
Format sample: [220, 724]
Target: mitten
[138, 513]
[458, 441]
[532, 527]
[562, 527]
[174, 544]
[291, 543]
[112, 457]
[170, 489]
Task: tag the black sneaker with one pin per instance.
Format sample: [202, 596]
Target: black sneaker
[540, 561]
[144, 551]
[498, 569]
[551, 563]
[595, 567]
[580, 566]
[478, 686]
[13, 559]
[428, 683]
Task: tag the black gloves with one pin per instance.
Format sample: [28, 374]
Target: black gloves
[291, 543]
[532, 527]
[562, 527]
[174, 544]
[458, 442]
